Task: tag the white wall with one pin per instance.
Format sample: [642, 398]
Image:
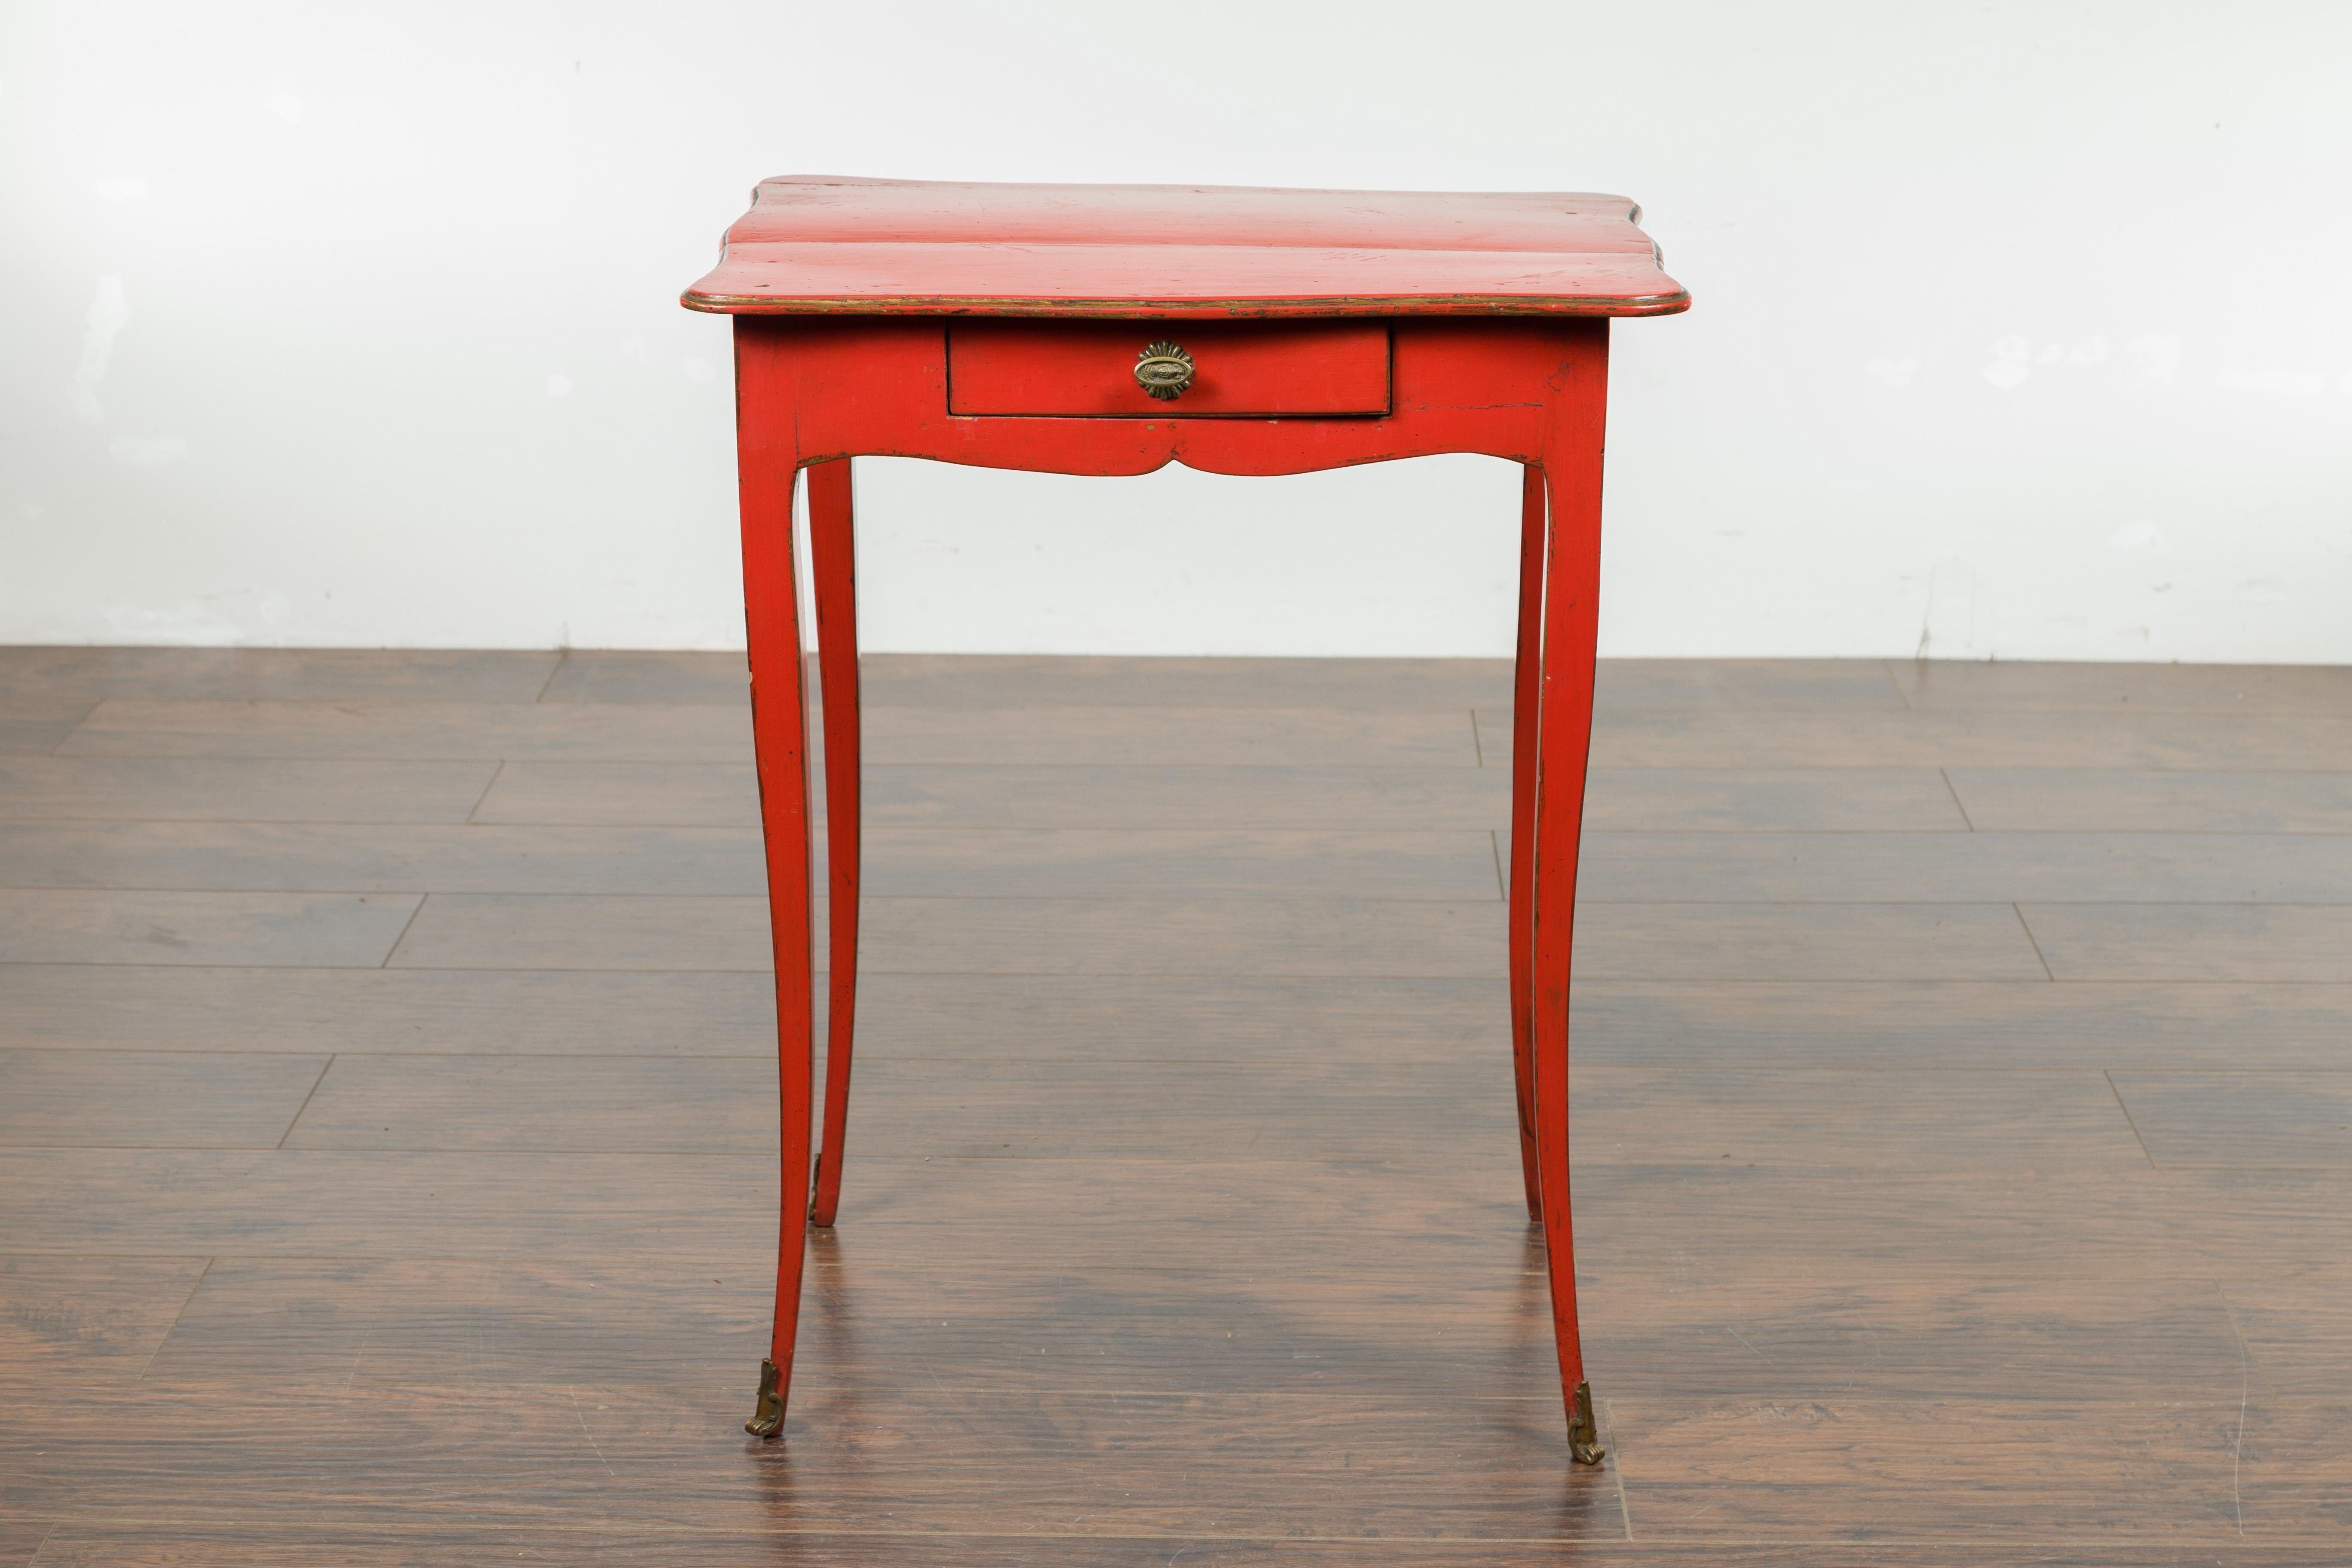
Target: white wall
[2022, 330]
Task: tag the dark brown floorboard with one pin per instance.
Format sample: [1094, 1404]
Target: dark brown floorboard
[2298, 1329]
[2166, 1472]
[379, 858]
[720, 794]
[71, 1320]
[2223, 942]
[1233, 936]
[1017, 680]
[1994, 1025]
[2121, 739]
[1997, 1025]
[22, 1536]
[259, 1545]
[2127, 800]
[1367, 1331]
[184, 789]
[278, 675]
[604, 675]
[1712, 1220]
[1020, 936]
[1949, 684]
[1211, 1111]
[159, 1008]
[34, 726]
[74, 925]
[1960, 867]
[2244, 1120]
[1182, 1219]
[1166, 737]
[209, 1099]
[940, 1462]
[411, 732]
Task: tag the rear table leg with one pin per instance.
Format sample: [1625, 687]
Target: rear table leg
[833, 560]
[1522, 913]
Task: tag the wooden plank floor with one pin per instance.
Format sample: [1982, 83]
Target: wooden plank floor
[1963, 1122]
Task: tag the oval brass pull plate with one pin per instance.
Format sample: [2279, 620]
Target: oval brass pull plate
[1163, 370]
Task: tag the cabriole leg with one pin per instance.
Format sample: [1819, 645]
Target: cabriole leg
[833, 560]
[1571, 577]
[778, 717]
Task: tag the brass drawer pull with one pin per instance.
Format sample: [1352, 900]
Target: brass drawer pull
[1163, 370]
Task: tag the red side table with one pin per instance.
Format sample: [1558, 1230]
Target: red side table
[1115, 329]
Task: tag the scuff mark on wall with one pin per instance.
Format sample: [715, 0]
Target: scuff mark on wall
[1947, 623]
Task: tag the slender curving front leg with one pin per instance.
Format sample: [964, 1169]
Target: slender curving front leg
[1521, 893]
[833, 562]
[766, 466]
[1571, 577]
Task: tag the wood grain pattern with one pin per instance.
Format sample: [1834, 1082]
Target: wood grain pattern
[610, 675]
[2297, 1325]
[1027, 936]
[232, 1008]
[1626, 685]
[379, 858]
[2169, 1472]
[1178, 863]
[1765, 739]
[2241, 1120]
[2021, 1339]
[1980, 684]
[34, 726]
[277, 674]
[623, 794]
[1999, 1025]
[73, 925]
[175, 789]
[1721, 866]
[1087, 1465]
[1372, 1333]
[1891, 1250]
[22, 1536]
[1729, 1219]
[254, 1545]
[1954, 1119]
[97, 1099]
[1060, 680]
[2248, 941]
[1961, 868]
[2129, 800]
[1232, 936]
[411, 732]
[1151, 1110]
[719, 794]
[67, 1320]
[1164, 737]
[1995, 1025]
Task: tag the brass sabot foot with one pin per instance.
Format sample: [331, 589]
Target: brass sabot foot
[1583, 1432]
[768, 1416]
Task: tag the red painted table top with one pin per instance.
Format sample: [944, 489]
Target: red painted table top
[817, 244]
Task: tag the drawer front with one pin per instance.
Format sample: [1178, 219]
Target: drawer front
[1237, 369]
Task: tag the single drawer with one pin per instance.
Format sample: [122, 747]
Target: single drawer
[1202, 369]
